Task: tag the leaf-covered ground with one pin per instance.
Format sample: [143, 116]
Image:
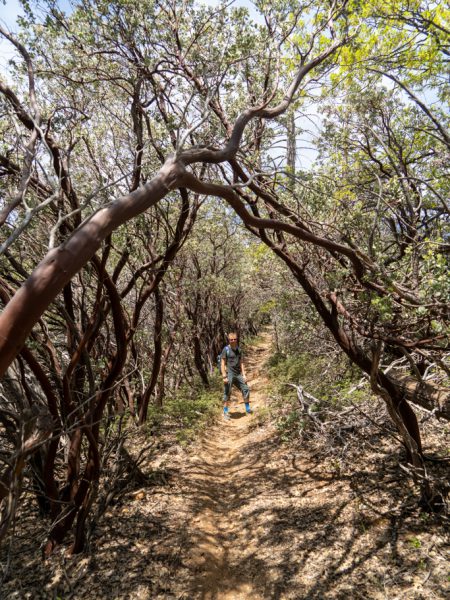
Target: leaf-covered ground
[238, 515]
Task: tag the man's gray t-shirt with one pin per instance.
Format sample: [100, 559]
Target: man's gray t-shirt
[232, 360]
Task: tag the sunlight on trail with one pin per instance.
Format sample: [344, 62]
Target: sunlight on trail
[248, 518]
[218, 473]
[240, 515]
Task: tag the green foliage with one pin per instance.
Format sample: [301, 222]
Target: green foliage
[327, 378]
[329, 383]
[289, 368]
[414, 542]
[192, 409]
[289, 425]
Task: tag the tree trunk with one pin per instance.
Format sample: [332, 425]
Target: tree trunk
[62, 263]
[157, 355]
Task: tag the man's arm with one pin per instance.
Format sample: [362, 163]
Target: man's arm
[223, 368]
[243, 370]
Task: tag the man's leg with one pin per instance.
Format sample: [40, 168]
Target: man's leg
[245, 390]
[226, 397]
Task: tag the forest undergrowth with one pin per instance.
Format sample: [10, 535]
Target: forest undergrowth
[307, 498]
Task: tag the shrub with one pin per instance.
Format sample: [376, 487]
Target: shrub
[191, 410]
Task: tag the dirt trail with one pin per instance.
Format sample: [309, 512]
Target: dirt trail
[270, 521]
[219, 474]
[240, 516]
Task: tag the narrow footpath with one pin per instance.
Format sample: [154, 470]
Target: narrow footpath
[263, 520]
[240, 515]
[222, 478]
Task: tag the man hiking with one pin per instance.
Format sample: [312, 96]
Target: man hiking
[233, 373]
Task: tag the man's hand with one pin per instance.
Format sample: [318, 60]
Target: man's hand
[225, 378]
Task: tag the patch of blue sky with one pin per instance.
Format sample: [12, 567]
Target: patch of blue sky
[9, 13]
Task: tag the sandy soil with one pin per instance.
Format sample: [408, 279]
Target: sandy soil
[240, 516]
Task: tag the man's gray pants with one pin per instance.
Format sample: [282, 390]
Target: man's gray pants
[238, 381]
